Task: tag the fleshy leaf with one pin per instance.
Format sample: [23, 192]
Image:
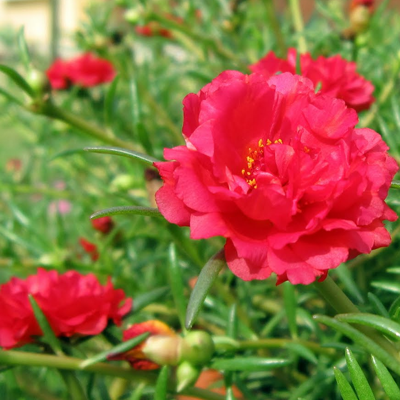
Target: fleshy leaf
[122, 152]
[249, 364]
[17, 79]
[48, 334]
[204, 282]
[121, 348]
[123, 210]
[358, 378]
[345, 388]
[382, 324]
[388, 383]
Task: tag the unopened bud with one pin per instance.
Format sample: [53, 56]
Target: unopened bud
[186, 375]
[133, 15]
[197, 348]
[359, 19]
[37, 80]
[163, 350]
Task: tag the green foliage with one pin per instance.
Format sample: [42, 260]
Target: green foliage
[267, 343]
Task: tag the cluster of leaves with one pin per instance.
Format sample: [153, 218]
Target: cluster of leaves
[268, 343]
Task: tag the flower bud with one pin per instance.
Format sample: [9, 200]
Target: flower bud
[37, 80]
[133, 15]
[359, 19]
[163, 350]
[186, 375]
[197, 348]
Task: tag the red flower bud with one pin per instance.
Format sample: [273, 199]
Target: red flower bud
[103, 224]
[89, 248]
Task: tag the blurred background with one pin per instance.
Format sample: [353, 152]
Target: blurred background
[50, 24]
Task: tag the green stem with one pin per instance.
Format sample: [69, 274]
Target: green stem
[343, 305]
[298, 25]
[221, 344]
[20, 358]
[52, 111]
[275, 25]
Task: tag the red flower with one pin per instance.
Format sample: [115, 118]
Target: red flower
[86, 70]
[74, 304]
[364, 3]
[89, 248]
[137, 356]
[337, 76]
[103, 224]
[58, 75]
[153, 29]
[281, 173]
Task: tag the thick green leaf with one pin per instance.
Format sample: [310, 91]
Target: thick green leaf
[232, 326]
[290, 303]
[382, 324]
[249, 364]
[204, 282]
[390, 286]
[118, 151]
[124, 210]
[395, 185]
[147, 298]
[48, 334]
[377, 305]
[176, 283]
[162, 384]
[68, 152]
[109, 102]
[119, 349]
[394, 309]
[388, 383]
[358, 378]
[345, 388]
[359, 338]
[17, 79]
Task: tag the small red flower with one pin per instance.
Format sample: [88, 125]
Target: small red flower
[137, 356]
[58, 75]
[281, 173]
[89, 248]
[337, 76]
[364, 3]
[74, 304]
[103, 224]
[86, 70]
[153, 29]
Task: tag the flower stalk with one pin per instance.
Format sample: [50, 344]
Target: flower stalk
[50, 110]
[298, 25]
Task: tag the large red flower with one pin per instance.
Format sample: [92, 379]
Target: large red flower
[73, 304]
[281, 173]
[85, 70]
[337, 76]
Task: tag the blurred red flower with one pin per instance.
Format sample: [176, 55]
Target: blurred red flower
[103, 224]
[74, 304]
[281, 173]
[85, 70]
[337, 76]
[364, 3]
[137, 356]
[89, 248]
[153, 29]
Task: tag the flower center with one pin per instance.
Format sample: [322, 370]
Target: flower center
[255, 161]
